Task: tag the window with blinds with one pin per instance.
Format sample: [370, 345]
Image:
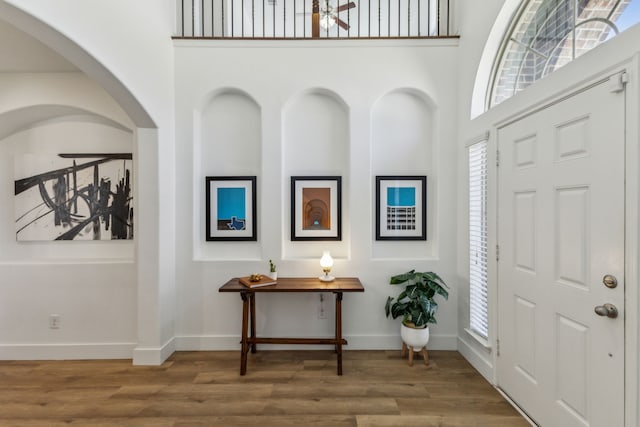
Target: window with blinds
[479, 316]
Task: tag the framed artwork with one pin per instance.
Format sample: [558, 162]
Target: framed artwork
[74, 196]
[401, 208]
[316, 208]
[231, 208]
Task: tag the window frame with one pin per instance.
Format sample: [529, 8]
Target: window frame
[516, 24]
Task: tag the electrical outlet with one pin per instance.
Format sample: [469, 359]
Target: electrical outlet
[322, 313]
[54, 321]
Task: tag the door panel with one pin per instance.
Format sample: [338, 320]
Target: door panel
[571, 344]
[560, 230]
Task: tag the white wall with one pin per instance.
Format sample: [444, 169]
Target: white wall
[106, 44]
[355, 77]
[346, 85]
[90, 285]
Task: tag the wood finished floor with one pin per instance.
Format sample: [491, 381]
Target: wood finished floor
[281, 388]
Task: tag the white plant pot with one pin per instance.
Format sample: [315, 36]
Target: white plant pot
[273, 275]
[414, 337]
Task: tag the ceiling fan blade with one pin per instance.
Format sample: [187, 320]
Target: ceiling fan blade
[345, 6]
[340, 22]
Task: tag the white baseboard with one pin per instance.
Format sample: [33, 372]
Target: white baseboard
[356, 342]
[66, 351]
[207, 342]
[481, 362]
[157, 355]
[154, 356]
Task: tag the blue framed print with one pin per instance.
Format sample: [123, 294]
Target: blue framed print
[401, 208]
[231, 208]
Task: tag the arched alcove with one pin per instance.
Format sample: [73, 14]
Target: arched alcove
[402, 143]
[316, 133]
[316, 142]
[89, 294]
[72, 278]
[228, 142]
[230, 134]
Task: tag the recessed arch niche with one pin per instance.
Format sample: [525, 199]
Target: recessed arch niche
[315, 143]
[60, 274]
[402, 138]
[228, 143]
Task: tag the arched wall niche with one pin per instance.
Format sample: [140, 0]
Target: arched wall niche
[316, 142]
[210, 97]
[335, 97]
[403, 142]
[228, 142]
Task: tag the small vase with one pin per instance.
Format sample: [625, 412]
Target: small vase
[274, 275]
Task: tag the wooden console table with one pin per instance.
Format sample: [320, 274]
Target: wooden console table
[290, 284]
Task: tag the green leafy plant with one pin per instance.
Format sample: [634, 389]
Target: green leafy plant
[272, 266]
[416, 302]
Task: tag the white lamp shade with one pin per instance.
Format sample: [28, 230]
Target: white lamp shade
[326, 261]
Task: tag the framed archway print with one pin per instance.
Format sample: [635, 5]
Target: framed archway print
[316, 208]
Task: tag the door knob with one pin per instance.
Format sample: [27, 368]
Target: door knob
[610, 281]
[607, 309]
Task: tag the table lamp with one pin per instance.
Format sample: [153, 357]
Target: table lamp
[326, 262]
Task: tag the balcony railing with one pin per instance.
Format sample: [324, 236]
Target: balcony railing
[313, 19]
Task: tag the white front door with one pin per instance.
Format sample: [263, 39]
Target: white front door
[560, 232]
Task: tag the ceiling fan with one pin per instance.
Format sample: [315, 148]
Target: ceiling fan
[327, 15]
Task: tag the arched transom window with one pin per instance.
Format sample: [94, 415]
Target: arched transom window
[547, 34]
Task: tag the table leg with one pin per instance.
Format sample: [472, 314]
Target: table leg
[252, 305]
[335, 327]
[245, 321]
[339, 330]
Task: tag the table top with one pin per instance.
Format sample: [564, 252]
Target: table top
[298, 284]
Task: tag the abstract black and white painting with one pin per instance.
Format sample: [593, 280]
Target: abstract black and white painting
[401, 203]
[74, 196]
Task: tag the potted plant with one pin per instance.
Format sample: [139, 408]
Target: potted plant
[416, 305]
[272, 270]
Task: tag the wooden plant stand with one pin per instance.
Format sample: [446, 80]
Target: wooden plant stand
[423, 351]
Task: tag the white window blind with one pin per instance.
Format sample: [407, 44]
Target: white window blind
[479, 316]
